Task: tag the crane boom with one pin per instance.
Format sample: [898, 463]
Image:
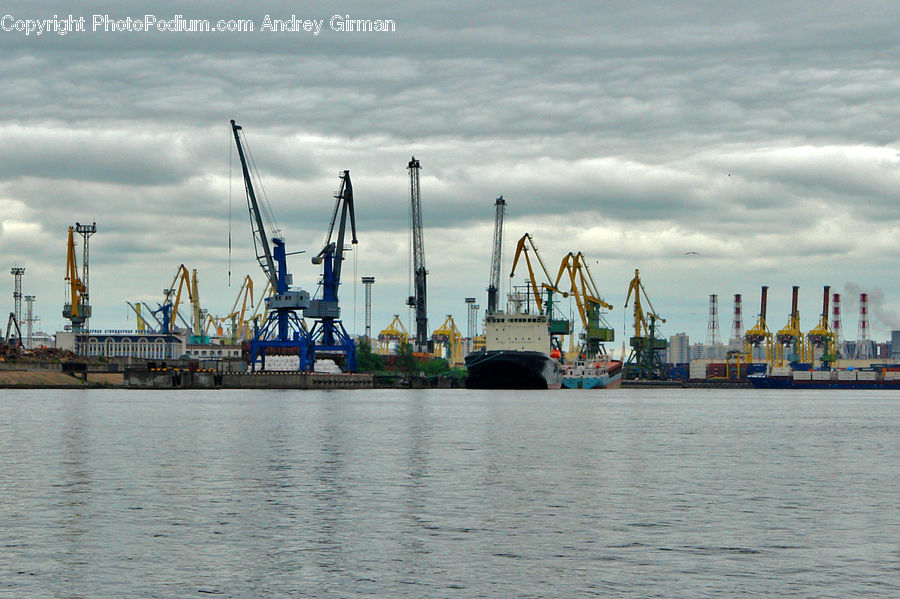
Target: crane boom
[418, 301]
[260, 239]
[496, 255]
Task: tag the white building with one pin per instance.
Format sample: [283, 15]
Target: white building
[679, 349]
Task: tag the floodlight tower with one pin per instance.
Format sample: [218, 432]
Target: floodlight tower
[29, 320]
[470, 312]
[86, 231]
[712, 327]
[417, 301]
[368, 282]
[863, 345]
[737, 324]
[17, 272]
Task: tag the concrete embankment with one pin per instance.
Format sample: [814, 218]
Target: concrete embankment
[54, 379]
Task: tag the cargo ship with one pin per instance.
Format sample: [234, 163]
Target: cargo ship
[516, 355]
[601, 373]
[869, 378]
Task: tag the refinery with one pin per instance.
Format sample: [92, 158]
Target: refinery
[278, 333]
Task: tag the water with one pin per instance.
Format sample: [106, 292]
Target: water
[668, 493]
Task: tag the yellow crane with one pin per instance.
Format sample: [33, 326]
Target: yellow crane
[822, 337]
[73, 309]
[645, 361]
[590, 305]
[759, 334]
[791, 336]
[180, 281]
[394, 333]
[557, 326]
[448, 342]
[522, 246]
[241, 328]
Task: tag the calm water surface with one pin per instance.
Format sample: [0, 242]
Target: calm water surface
[668, 493]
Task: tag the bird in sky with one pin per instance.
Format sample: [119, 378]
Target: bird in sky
[692, 253]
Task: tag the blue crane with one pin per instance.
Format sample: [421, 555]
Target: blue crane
[284, 327]
[328, 334]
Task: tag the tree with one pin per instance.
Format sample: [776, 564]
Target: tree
[366, 360]
[406, 361]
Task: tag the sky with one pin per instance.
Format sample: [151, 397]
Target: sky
[715, 146]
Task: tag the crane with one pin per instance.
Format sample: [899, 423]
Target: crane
[496, 255]
[395, 332]
[590, 305]
[557, 326]
[645, 361]
[418, 300]
[822, 336]
[283, 327]
[759, 334]
[448, 341]
[328, 333]
[75, 309]
[790, 335]
[143, 326]
[240, 328]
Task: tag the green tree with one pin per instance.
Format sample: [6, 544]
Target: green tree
[366, 360]
[406, 361]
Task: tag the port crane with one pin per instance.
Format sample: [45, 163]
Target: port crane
[759, 334]
[328, 333]
[823, 337]
[496, 255]
[557, 326]
[448, 341]
[418, 300]
[283, 328]
[76, 309]
[590, 305]
[645, 361]
[791, 336]
[395, 333]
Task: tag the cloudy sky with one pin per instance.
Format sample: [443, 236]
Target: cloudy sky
[715, 146]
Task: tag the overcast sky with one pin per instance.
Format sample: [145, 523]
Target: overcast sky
[716, 147]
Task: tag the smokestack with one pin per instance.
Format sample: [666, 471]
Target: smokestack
[737, 323]
[836, 315]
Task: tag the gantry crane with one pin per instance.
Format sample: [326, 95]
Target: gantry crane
[759, 334]
[496, 255]
[791, 336]
[328, 333]
[448, 342]
[822, 337]
[645, 361]
[418, 300]
[590, 305]
[283, 327]
[394, 333]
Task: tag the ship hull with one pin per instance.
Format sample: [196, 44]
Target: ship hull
[608, 377]
[509, 369]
